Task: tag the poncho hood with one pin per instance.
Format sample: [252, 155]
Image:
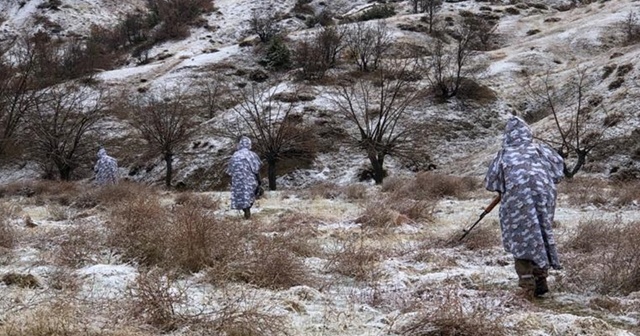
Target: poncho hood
[517, 133]
[244, 143]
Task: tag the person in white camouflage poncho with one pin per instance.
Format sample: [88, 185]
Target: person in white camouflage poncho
[106, 169]
[525, 174]
[244, 169]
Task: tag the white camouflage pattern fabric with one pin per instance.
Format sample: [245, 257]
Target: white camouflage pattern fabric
[106, 169]
[525, 174]
[243, 167]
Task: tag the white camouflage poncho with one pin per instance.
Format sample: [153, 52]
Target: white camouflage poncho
[243, 167]
[106, 169]
[525, 174]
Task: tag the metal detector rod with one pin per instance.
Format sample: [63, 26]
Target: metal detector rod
[484, 213]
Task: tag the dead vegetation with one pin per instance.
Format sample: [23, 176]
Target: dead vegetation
[453, 317]
[8, 236]
[599, 192]
[430, 186]
[603, 256]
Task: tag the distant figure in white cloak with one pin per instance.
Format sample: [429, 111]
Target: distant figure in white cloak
[244, 169]
[525, 174]
[106, 169]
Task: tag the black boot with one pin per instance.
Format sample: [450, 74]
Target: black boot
[541, 287]
[247, 213]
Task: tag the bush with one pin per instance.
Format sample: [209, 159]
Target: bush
[453, 317]
[140, 230]
[356, 260]
[175, 16]
[155, 300]
[377, 11]
[277, 54]
[604, 257]
[430, 186]
[274, 266]
[8, 237]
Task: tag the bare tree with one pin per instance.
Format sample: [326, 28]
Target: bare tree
[483, 31]
[17, 93]
[381, 116]
[166, 121]
[269, 121]
[446, 67]
[631, 28]
[209, 94]
[430, 7]
[331, 42]
[577, 132]
[367, 45]
[61, 125]
[265, 25]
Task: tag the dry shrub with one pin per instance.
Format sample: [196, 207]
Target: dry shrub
[155, 298]
[79, 245]
[8, 238]
[58, 212]
[452, 317]
[195, 237]
[59, 192]
[356, 260]
[421, 210]
[274, 266]
[430, 186]
[298, 233]
[377, 214]
[483, 237]
[43, 322]
[199, 200]
[140, 229]
[604, 257]
[113, 195]
[63, 279]
[329, 190]
[626, 194]
[355, 192]
[20, 280]
[123, 191]
[236, 318]
[583, 191]
[326, 190]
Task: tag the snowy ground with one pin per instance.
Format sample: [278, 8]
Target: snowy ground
[410, 277]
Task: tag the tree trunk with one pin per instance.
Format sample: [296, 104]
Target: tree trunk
[377, 163]
[168, 158]
[271, 173]
[582, 159]
[65, 172]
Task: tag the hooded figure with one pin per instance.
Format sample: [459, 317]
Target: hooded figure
[244, 169]
[106, 169]
[525, 174]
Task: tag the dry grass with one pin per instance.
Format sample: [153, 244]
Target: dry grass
[377, 214]
[357, 260]
[20, 280]
[237, 318]
[155, 298]
[599, 192]
[483, 237]
[452, 317]
[329, 190]
[297, 231]
[273, 265]
[430, 186]
[603, 256]
[8, 237]
[79, 245]
[139, 230]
